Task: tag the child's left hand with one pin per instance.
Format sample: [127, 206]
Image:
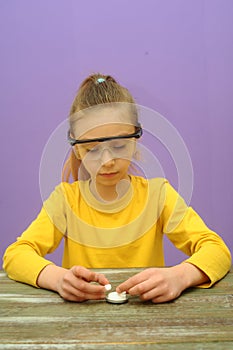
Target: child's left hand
[162, 284]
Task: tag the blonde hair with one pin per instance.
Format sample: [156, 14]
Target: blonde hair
[95, 90]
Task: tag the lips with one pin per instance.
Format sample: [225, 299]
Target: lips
[108, 174]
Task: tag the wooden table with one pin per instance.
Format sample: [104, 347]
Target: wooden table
[39, 319]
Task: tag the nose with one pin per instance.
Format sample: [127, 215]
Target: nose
[107, 158]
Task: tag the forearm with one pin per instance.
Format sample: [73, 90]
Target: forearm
[23, 264]
[50, 276]
[214, 260]
[25, 258]
[190, 275]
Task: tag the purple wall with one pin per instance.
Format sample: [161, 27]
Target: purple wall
[174, 56]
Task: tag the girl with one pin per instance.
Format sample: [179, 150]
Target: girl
[110, 218]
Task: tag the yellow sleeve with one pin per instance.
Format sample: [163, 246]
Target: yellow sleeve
[187, 231]
[24, 259]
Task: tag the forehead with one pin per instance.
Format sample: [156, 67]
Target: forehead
[100, 121]
[108, 130]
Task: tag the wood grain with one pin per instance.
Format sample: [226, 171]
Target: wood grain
[32, 318]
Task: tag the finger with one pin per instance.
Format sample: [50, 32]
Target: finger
[88, 275]
[152, 294]
[142, 288]
[131, 282]
[159, 299]
[85, 287]
[101, 279]
[82, 272]
[152, 289]
[82, 277]
[73, 294]
[79, 297]
[160, 295]
[90, 288]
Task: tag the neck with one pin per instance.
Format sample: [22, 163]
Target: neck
[110, 193]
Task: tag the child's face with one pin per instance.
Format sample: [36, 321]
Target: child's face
[107, 162]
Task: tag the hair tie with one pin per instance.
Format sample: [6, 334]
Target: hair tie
[100, 80]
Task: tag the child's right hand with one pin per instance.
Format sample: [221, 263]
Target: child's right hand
[74, 284]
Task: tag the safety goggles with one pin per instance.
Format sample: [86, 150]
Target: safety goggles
[117, 146]
[136, 135]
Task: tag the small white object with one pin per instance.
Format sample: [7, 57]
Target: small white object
[108, 287]
[117, 298]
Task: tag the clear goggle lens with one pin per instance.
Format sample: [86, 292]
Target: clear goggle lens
[120, 148]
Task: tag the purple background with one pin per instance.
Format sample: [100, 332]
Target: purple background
[174, 56]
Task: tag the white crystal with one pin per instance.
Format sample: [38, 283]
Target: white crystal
[117, 296]
[108, 287]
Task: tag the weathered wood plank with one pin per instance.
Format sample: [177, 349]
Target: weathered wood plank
[116, 346]
[39, 319]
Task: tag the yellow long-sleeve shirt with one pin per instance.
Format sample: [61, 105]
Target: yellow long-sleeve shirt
[125, 233]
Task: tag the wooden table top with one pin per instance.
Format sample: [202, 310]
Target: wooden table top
[33, 318]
